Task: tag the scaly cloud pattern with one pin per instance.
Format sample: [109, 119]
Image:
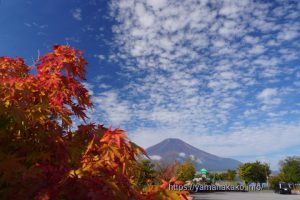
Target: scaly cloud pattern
[222, 75]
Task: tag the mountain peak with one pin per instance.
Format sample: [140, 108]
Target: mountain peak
[173, 139]
[172, 149]
[176, 140]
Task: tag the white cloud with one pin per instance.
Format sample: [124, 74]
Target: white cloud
[116, 111]
[288, 35]
[100, 57]
[36, 25]
[76, 13]
[145, 18]
[155, 157]
[89, 87]
[267, 93]
[230, 9]
[250, 112]
[257, 49]
[181, 154]
[251, 40]
[269, 96]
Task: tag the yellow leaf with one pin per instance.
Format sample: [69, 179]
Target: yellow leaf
[7, 104]
[76, 173]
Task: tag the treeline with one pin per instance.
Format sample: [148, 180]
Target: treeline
[229, 175]
[257, 172]
[289, 171]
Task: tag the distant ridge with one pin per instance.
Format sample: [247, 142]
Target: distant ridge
[172, 149]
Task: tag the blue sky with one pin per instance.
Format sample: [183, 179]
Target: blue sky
[223, 76]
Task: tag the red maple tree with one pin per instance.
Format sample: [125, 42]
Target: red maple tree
[40, 157]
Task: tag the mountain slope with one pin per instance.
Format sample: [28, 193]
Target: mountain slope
[175, 149]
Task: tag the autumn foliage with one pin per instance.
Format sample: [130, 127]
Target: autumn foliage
[41, 157]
